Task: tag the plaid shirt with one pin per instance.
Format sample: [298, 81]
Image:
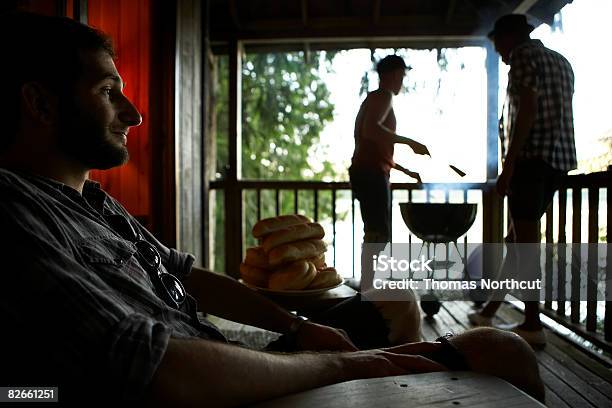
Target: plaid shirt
[549, 74]
[78, 311]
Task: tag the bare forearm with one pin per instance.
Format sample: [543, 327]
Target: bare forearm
[402, 140]
[382, 132]
[225, 297]
[198, 372]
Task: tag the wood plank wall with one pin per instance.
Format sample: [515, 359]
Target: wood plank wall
[189, 129]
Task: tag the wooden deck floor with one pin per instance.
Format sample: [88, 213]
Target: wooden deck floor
[572, 378]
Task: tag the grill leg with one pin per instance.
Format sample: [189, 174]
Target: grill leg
[464, 260]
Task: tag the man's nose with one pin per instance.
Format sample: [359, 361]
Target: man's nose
[129, 114]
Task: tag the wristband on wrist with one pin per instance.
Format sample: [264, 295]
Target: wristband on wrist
[295, 325]
[449, 355]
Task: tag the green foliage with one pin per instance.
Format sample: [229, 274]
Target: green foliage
[285, 106]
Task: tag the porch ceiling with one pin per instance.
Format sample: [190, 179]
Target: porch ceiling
[367, 22]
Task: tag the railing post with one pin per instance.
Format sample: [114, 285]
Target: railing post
[548, 289]
[353, 232]
[233, 193]
[608, 310]
[576, 256]
[316, 205]
[277, 202]
[591, 321]
[561, 264]
[334, 223]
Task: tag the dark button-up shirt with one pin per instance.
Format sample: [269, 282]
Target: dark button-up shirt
[77, 309]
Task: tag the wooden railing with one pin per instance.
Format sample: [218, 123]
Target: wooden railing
[267, 198]
[583, 320]
[315, 199]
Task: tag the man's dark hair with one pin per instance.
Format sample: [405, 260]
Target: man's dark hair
[390, 63]
[42, 49]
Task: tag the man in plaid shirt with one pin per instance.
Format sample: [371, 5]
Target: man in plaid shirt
[537, 137]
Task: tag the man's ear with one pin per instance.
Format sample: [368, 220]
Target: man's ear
[39, 103]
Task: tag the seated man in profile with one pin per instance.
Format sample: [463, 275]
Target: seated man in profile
[91, 302]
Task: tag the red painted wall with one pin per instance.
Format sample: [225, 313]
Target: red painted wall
[128, 22]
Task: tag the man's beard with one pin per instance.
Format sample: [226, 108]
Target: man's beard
[84, 139]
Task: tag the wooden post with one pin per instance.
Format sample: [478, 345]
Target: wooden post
[608, 311]
[162, 118]
[492, 202]
[188, 128]
[233, 193]
[208, 139]
[334, 223]
[548, 266]
[79, 11]
[591, 321]
[493, 221]
[576, 255]
[561, 264]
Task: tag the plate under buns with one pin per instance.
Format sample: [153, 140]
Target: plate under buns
[302, 292]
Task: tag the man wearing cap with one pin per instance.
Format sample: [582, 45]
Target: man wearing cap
[537, 137]
[372, 160]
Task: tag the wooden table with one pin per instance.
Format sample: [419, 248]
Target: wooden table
[443, 389]
[309, 304]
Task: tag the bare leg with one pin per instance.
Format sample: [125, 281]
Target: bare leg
[532, 316]
[491, 308]
[529, 231]
[524, 232]
[493, 305]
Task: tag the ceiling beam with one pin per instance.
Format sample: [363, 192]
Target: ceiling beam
[450, 11]
[319, 30]
[475, 9]
[233, 9]
[376, 11]
[398, 24]
[305, 13]
[505, 6]
[524, 6]
[343, 43]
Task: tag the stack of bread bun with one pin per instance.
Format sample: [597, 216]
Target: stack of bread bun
[290, 255]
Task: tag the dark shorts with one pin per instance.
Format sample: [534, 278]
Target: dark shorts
[532, 188]
[358, 318]
[372, 189]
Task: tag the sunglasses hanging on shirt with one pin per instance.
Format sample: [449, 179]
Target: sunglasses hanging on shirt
[166, 285]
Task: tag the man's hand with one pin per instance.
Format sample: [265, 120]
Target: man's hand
[381, 363]
[316, 337]
[418, 148]
[420, 347]
[410, 173]
[503, 181]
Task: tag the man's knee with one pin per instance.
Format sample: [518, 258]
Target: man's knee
[502, 354]
[402, 316]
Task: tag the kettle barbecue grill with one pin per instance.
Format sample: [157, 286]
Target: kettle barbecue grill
[438, 223]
